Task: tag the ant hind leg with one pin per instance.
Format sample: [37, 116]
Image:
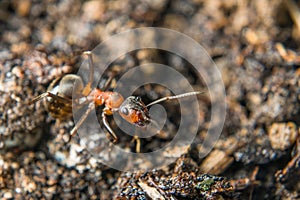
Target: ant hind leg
[137, 141]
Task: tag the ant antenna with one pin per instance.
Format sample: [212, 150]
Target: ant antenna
[175, 97]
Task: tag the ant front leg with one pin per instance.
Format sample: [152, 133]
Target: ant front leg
[138, 143]
[107, 111]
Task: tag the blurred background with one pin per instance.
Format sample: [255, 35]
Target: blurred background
[255, 45]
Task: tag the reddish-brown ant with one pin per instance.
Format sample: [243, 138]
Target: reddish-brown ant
[58, 101]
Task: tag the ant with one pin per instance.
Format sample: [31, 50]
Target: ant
[59, 97]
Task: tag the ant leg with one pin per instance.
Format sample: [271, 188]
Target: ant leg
[49, 94]
[107, 83]
[38, 98]
[107, 126]
[87, 89]
[138, 144]
[81, 120]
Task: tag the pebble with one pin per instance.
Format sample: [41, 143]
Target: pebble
[283, 135]
[8, 195]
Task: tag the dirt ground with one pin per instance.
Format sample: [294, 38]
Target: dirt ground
[255, 45]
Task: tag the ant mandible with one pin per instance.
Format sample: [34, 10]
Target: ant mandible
[59, 96]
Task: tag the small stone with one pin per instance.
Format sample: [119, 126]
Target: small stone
[93, 10]
[282, 135]
[52, 181]
[23, 7]
[8, 195]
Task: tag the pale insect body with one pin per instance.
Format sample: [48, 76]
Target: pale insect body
[58, 101]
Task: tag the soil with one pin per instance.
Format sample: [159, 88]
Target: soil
[255, 45]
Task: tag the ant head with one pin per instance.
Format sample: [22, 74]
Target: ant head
[134, 111]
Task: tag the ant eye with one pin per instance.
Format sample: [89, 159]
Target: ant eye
[124, 111]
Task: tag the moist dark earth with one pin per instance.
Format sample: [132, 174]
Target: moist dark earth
[255, 45]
